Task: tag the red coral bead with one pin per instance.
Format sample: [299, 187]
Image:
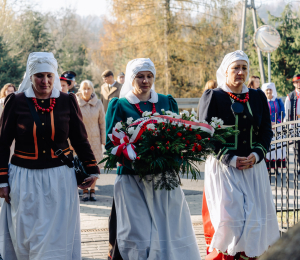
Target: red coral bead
[51, 108]
[43, 109]
[48, 110]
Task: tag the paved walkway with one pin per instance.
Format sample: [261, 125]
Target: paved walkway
[94, 217]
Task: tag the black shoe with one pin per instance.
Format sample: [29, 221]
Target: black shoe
[92, 195]
[85, 196]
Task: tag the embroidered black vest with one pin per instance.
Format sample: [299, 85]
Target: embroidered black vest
[293, 98]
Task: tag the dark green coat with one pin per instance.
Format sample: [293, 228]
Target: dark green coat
[120, 109]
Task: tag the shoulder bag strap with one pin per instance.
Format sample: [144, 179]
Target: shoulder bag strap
[57, 151]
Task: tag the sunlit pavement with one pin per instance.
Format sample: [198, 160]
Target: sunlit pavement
[94, 216]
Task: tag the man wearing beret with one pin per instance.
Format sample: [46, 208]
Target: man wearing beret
[110, 88]
[70, 75]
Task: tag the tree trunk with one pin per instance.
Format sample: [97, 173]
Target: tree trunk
[166, 33]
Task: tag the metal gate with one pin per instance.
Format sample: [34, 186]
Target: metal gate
[283, 166]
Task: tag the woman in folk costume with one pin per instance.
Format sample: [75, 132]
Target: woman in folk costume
[276, 108]
[238, 210]
[146, 224]
[40, 218]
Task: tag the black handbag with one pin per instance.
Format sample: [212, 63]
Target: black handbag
[80, 172]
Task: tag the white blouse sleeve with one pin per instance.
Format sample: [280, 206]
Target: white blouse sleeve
[287, 106]
[298, 107]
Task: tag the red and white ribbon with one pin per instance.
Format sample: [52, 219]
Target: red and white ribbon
[141, 128]
[143, 122]
[123, 146]
[204, 127]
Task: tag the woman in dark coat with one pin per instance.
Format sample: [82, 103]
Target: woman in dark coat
[238, 210]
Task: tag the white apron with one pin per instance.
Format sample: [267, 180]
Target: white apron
[153, 224]
[42, 222]
[241, 208]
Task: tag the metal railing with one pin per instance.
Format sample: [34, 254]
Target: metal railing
[283, 166]
[187, 103]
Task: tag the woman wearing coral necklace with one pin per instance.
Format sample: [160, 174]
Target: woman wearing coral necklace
[238, 210]
[40, 217]
[145, 223]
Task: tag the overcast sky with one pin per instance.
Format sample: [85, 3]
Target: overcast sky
[82, 7]
[100, 7]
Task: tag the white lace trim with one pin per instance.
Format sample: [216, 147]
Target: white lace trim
[3, 185]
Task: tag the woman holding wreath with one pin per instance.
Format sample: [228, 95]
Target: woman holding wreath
[145, 223]
[40, 218]
[238, 210]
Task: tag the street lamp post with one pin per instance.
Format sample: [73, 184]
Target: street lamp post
[267, 39]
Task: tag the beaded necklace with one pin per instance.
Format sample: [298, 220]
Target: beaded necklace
[39, 108]
[245, 100]
[141, 111]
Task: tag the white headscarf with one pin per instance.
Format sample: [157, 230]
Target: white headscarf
[227, 61]
[132, 69]
[40, 62]
[270, 86]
